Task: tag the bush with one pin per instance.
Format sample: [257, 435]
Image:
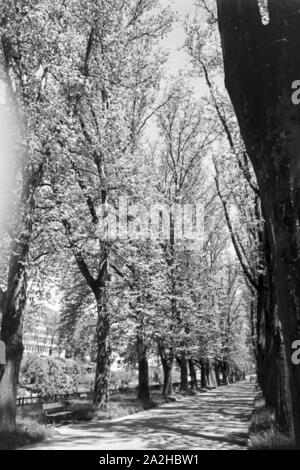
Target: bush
[123, 378]
[50, 376]
[86, 382]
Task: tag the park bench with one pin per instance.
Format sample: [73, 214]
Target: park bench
[56, 412]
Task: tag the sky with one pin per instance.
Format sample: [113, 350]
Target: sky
[174, 42]
[183, 6]
[179, 60]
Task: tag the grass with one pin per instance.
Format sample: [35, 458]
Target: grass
[264, 433]
[114, 411]
[120, 405]
[27, 432]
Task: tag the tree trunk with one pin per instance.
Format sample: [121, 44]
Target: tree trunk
[225, 368]
[203, 373]
[193, 374]
[99, 289]
[217, 368]
[101, 389]
[168, 377]
[167, 361]
[211, 374]
[261, 63]
[11, 334]
[184, 382]
[8, 393]
[13, 304]
[271, 358]
[143, 387]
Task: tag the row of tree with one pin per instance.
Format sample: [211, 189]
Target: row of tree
[261, 62]
[85, 83]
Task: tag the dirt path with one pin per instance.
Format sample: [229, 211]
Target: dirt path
[214, 420]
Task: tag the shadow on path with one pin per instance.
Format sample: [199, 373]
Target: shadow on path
[218, 419]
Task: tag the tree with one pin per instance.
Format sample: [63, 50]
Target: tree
[27, 37]
[184, 142]
[145, 301]
[106, 101]
[261, 63]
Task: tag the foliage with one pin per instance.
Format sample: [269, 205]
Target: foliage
[50, 376]
[99, 121]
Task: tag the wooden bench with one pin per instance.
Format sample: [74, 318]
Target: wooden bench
[55, 411]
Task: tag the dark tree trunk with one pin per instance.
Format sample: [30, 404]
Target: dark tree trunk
[11, 333]
[184, 381]
[225, 369]
[101, 389]
[270, 357]
[143, 387]
[13, 304]
[271, 370]
[217, 368]
[266, 350]
[193, 375]
[203, 373]
[261, 63]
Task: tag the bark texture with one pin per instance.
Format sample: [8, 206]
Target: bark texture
[261, 63]
[143, 368]
[13, 301]
[167, 360]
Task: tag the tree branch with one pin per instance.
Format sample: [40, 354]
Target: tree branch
[232, 235]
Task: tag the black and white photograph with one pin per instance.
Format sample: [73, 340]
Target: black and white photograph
[149, 229]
